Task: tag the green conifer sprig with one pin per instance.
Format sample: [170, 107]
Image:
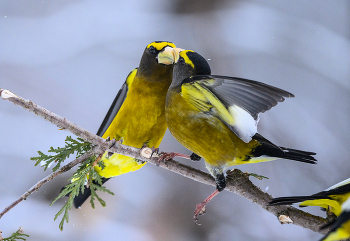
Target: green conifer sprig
[84, 176]
[79, 146]
[18, 235]
[260, 177]
[95, 184]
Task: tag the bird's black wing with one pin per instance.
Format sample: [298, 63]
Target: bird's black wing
[253, 96]
[243, 100]
[112, 112]
[117, 103]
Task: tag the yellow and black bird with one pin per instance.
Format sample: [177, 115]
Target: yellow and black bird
[137, 115]
[340, 227]
[330, 199]
[216, 117]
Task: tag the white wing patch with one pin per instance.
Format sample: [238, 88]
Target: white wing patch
[244, 125]
[346, 205]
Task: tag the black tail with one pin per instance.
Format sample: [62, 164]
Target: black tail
[82, 197]
[269, 149]
[345, 188]
[294, 199]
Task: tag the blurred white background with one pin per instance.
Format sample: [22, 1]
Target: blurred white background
[72, 57]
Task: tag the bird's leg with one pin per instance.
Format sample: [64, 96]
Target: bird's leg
[220, 182]
[201, 207]
[165, 156]
[195, 157]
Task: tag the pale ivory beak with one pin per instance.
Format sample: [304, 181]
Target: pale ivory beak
[169, 55]
[176, 52]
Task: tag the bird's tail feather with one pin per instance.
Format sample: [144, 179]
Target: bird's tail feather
[293, 199]
[270, 149]
[297, 155]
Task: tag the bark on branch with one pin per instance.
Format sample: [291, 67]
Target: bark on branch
[238, 182]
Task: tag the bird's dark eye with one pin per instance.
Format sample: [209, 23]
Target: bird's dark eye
[181, 61]
[152, 50]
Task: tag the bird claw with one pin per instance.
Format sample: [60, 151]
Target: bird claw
[155, 151]
[200, 210]
[200, 207]
[166, 156]
[112, 142]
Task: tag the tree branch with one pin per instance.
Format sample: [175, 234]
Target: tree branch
[238, 182]
[36, 187]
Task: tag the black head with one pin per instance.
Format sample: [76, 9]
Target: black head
[157, 55]
[189, 64]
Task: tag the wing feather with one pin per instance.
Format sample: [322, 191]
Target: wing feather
[117, 103]
[235, 101]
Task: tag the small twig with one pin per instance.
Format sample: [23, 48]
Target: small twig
[36, 187]
[238, 182]
[96, 161]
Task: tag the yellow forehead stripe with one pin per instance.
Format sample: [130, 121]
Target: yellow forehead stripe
[183, 54]
[160, 45]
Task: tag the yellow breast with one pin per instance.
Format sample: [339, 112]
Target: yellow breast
[203, 133]
[140, 121]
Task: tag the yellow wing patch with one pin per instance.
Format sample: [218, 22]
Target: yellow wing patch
[160, 45]
[191, 94]
[236, 118]
[183, 54]
[206, 101]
